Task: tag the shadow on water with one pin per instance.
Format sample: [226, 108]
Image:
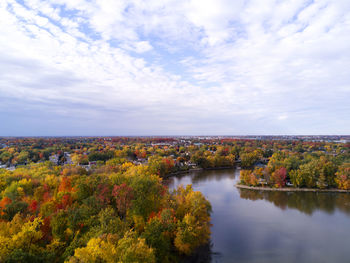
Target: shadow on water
[203, 254]
[305, 202]
[204, 176]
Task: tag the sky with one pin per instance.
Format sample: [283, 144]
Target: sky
[173, 67]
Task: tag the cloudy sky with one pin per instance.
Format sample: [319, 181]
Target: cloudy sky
[171, 67]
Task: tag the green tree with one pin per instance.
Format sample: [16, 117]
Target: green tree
[133, 249]
[159, 233]
[248, 159]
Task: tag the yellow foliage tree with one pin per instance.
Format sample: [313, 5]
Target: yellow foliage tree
[97, 250]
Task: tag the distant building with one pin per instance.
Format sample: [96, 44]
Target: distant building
[54, 159]
[191, 165]
[289, 184]
[262, 181]
[68, 158]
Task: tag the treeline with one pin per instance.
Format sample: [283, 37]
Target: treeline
[113, 213]
[315, 170]
[301, 163]
[203, 153]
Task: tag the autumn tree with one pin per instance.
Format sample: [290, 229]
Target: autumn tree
[159, 233]
[132, 248]
[123, 195]
[193, 213]
[248, 159]
[279, 176]
[343, 177]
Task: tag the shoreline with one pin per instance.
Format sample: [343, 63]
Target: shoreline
[258, 188]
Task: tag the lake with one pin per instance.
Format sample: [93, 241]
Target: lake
[264, 226]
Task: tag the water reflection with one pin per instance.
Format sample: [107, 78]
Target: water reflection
[272, 227]
[202, 255]
[202, 176]
[305, 202]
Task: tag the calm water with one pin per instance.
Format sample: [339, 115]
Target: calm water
[258, 226]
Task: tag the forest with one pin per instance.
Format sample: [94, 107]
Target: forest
[104, 200]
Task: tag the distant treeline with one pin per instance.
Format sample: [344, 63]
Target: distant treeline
[312, 170]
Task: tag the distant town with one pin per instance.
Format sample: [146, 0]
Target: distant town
[19, 151]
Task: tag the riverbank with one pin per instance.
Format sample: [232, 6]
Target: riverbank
[291, 189]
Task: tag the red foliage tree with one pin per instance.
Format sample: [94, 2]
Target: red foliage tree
[123, 195]
[279, 177]
[3, 203]
[65, 185]
[46, 229]
[33, 206]
[169, 164]
[104, 194]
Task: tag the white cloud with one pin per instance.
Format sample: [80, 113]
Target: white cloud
[214, 17]
[138, 47]
[184, 66]
[282, 117]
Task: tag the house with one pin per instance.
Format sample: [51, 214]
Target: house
[289, 184]
[86, 167]
[141, 160]
[260, 165]
[11, 168]
[54, 159]
[262, 181]
[68, 158]
[191, 165]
